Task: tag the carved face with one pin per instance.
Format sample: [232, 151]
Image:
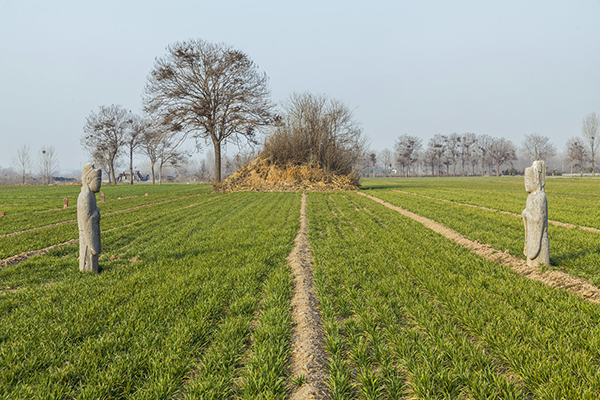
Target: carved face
[95, 180]
[531, 183]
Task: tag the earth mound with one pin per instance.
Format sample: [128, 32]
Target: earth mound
[262, 175]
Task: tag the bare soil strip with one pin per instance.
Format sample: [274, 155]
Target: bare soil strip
[558, 279]
[555, 223]
[16, 259]
[27, 255]
[74, 220]
[308, 344]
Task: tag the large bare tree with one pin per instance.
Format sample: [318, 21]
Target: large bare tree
[100, 159]
[133, 140]
[163, 147]
[538, 147]
[407, 151]
[467, 143]
[576, 154]
[437, 144]
[589, 129]
[105, 132]
[22, 162]
[47, 164]
[452, 150]
[387, 158]
[210, 90]
[502, 151]
[483, 151]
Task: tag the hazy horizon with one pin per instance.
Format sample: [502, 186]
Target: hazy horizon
[504, 69]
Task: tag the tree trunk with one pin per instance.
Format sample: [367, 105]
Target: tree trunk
[217, 147]
[160, 173]
[152, 168]
[131, 166]
[112, 170]
[498, 170]
[571, 168]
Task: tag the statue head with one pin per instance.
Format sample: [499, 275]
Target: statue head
[91, 178]
[535, 177]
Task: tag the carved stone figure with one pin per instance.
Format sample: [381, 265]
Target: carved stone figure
[88, 219]
[535, 216]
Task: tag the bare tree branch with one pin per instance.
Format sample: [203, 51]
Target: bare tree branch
[589, 129]
[211, 91]
[105, 134]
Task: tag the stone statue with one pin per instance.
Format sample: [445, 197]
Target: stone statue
[88, 219]
[535, 216]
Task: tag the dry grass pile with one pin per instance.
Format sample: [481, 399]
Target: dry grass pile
[263, 175]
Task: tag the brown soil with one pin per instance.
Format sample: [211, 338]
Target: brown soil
[25, 256]
[555, 223]
[559, 279]
[308, 344]
[263, 176]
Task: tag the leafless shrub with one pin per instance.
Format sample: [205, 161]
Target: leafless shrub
[318, 131]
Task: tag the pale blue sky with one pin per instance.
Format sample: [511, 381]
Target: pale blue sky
[505, 68]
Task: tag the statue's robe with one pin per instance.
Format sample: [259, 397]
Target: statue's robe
[535, 218]
[88, 220]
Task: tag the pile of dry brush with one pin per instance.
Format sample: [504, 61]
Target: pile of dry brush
[314, 146]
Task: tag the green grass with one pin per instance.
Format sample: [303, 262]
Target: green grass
[29, 207]
[186, 307]
[410, 314]
[570, 200]
[572, 250]
[193, 298]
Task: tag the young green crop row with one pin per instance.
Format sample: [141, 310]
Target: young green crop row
[570, 200]
[39, 205]
[192, 303]
[409, 314]
[52, 235]
[573, 250]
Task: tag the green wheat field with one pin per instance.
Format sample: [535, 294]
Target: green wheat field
[193, 298]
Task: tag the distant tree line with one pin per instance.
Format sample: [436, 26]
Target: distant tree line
[469, 154]
[31, 168]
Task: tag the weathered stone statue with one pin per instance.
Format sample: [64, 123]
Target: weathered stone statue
[535, 216]
[88, 219]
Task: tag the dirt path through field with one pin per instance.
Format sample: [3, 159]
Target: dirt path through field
[555, 223]
[308, 344]
[558, 279]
